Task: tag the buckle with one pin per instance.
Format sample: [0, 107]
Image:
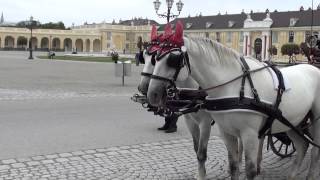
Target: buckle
[171, 92]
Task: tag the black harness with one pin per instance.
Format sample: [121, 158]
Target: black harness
[271, 110]
[254, 103]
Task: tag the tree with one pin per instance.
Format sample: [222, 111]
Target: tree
[290, 50]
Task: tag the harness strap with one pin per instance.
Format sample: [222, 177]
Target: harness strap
[252, 104]
[163, 79]
[146, 74]
[281, 88]
[246, 71]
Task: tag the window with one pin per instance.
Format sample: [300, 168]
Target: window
[127, 46]
[108, 45]
[109, 35]
[207, 35]
[241, 37]
[293, 21]
[130, 36]
[127, 36]
[274, 37]
[291, 36]
[229, 37]
[218, 36]
[188, 25]
[307, 35]
[208, 24]
[231, 24]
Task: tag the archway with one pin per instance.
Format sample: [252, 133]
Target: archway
[9, 42]
[56, 44]
[79, 45]
[44, 43]
[34, 43]
[258, 48]
[67, 44]
[88, 45]
[96, 45]
[22, 42]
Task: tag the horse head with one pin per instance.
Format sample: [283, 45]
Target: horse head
[172, 65]
[148, 58]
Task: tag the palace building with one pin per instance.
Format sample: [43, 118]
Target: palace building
[254, 34]
[251, 34]
[102, 37]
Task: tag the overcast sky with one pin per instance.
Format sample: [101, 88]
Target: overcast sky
[80, 11]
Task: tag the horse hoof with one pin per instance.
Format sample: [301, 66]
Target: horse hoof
[197, 177]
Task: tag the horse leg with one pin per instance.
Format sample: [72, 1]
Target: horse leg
[301, 148]
[315, 154]
[251, 144]
[205, 129]
[195, 133]
[231, 143]
[260, 155]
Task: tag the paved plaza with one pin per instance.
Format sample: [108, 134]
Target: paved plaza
[74, 120]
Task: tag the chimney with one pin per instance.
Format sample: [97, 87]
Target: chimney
[301, 8]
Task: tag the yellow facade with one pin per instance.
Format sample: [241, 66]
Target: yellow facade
[237, 40]
[87, 38]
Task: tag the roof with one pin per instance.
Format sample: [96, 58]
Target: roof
[138, 22]
[236, 21]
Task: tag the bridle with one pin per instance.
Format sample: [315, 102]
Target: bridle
[150, 53]
[176, 61]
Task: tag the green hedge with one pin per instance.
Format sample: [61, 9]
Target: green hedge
[290, 49]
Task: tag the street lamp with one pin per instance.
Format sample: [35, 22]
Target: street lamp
[169, 3]
[31, 24]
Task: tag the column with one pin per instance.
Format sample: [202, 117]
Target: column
[268, 47]
[16, 42]
[2, 42]
[249, 46]
[91, 45]
[61, 43]
[244, 50]
[263, 47]
[73, 45]
[39, 42]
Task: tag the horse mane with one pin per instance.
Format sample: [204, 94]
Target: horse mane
[217, 52]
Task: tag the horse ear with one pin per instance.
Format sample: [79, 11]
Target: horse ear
[154, 33]
[179, 31]
[167, 30]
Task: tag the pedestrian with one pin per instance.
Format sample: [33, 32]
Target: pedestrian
[170, 124]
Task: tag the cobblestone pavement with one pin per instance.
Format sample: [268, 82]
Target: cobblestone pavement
[15, 94]
[172, 159]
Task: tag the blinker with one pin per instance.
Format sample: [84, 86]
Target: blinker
[175, 61]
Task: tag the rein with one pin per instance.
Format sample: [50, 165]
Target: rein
[246, 73]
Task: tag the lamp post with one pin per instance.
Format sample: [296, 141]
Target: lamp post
[31, 24]
[168, 14]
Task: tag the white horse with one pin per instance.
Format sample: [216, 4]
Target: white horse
[199, 124]
[212, 64]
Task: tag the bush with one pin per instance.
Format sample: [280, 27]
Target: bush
[290, 49]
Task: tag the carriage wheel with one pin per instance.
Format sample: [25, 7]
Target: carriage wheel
[281, 145]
